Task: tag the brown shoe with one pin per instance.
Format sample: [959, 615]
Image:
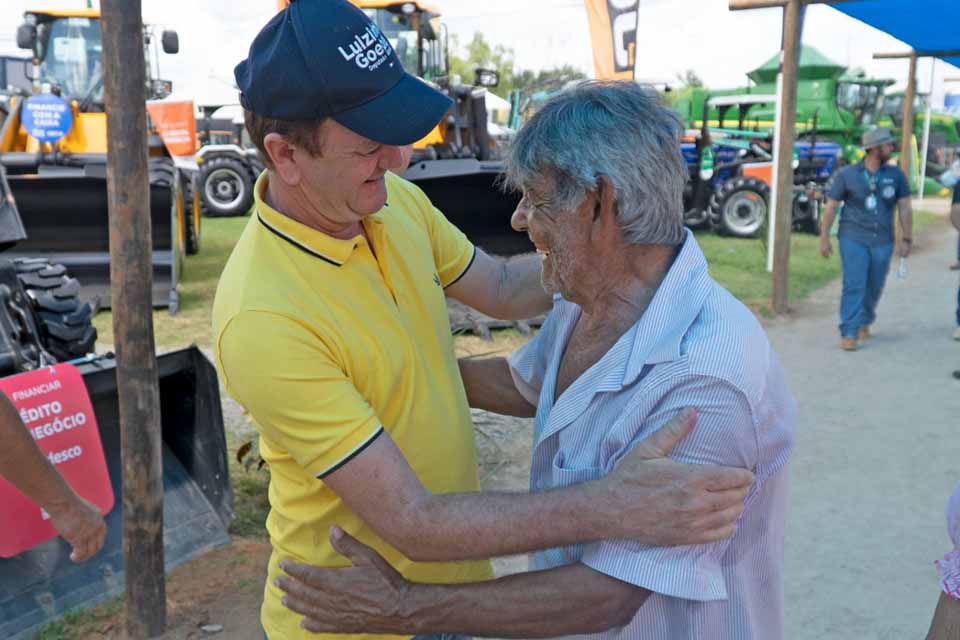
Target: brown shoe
[848, 344]
[864, 334]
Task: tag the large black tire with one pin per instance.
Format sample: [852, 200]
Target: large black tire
[226, 187]
[806, 213]
[191, 213]
[64, 321]
[163, 172]
[739, 207]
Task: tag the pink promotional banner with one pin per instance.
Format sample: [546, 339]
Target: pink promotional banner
[55, 407]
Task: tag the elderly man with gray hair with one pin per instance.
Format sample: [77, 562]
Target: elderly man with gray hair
[638, 331]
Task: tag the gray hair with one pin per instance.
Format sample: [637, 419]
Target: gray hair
[617, 129]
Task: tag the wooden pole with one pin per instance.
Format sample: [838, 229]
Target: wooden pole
[920, 53]
[743, 5]
[790, 57]
[906, 137]
[131, 284]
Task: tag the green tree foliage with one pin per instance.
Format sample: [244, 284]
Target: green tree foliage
[689, 78]
[480, 53]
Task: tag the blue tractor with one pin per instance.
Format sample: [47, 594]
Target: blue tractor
[730, 166]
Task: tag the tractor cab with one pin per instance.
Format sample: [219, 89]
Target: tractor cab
[416, 34]
[861, 98]
[67, 49]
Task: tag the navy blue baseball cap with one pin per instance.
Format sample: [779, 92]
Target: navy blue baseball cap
[325, 58]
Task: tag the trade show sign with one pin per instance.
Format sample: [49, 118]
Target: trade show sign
[55, 407]
[47, 117]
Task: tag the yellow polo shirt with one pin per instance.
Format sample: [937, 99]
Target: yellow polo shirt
[325, 342]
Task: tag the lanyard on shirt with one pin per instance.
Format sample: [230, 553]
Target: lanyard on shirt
[871, 200]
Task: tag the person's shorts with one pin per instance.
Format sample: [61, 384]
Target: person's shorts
[956, 194]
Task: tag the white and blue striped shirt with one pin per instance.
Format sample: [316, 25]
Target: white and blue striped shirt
[695, 346]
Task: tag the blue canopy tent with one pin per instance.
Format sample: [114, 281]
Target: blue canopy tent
[924, 25]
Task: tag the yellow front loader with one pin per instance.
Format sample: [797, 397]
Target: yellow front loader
[58, 182]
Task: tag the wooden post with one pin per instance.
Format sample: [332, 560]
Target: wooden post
[131, 284]
[906, 136]
[790, 57]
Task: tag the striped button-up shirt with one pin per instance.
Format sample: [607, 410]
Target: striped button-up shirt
[695, 346]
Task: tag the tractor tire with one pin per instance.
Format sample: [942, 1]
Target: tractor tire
[162, 172]
[191, 211]
[64, 321]
[739, 207]
[806, 214]
[226, 187]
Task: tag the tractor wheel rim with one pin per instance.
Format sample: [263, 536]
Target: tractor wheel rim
[744, 211]
[224, 188]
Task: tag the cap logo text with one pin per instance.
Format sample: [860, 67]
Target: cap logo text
[368, 50]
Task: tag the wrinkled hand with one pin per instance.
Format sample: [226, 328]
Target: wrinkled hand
[365, 598]
[80, 524]
[826, 249]
[664, 503]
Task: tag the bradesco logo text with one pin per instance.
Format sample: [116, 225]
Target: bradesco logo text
[368, 50]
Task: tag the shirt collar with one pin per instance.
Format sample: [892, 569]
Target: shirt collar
[307, 239]
[675, 306]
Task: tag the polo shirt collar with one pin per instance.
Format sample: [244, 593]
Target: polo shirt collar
[674, 308]
[307, 239]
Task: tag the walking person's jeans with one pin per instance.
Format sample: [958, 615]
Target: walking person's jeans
[864, 274]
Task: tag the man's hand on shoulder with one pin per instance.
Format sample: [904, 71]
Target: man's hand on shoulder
[660, 502]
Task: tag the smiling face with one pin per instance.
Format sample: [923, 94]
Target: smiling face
[345, 182]
[560, 236]
[348, 177]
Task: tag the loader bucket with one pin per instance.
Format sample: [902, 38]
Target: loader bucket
[42, 584]
[469, 194]
[64, 212]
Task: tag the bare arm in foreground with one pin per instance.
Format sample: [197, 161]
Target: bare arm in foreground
[648, 498]
[371, 597]
[23, 464]
[946, 619]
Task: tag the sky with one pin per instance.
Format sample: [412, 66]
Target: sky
[673, 35]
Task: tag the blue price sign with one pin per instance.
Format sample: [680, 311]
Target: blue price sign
[47, 117]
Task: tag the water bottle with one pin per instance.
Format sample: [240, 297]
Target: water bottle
[902, 269]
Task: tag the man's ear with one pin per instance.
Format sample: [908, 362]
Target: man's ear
[605, 205]
[283, 156]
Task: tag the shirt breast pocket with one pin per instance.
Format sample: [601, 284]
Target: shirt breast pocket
[566, 473]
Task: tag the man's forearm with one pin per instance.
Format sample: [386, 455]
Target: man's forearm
[826, 221]
[468, 526]
[23, 464]
[490, 386]
[569, 600]
[906, 220]
[520, 293]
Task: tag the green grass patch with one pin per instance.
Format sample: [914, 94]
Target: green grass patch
[739, 265]
[197, 288]
[78, 625]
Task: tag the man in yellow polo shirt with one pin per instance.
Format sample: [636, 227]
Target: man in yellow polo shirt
[332, 332]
